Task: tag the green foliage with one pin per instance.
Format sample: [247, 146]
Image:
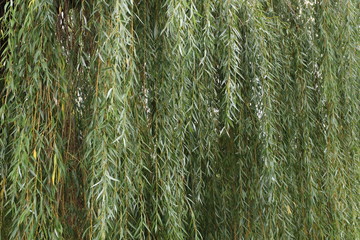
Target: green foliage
[179, 119]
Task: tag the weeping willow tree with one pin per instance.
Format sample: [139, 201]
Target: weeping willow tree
[180, 119]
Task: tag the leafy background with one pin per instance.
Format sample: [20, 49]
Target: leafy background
[179, 119]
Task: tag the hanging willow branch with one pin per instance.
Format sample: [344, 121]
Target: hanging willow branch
[179, 119]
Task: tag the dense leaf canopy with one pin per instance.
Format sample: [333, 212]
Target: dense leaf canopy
[180, 119]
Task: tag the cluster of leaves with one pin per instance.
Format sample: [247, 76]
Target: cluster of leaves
[180, 119]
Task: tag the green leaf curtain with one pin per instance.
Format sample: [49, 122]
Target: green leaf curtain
[180, 119]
